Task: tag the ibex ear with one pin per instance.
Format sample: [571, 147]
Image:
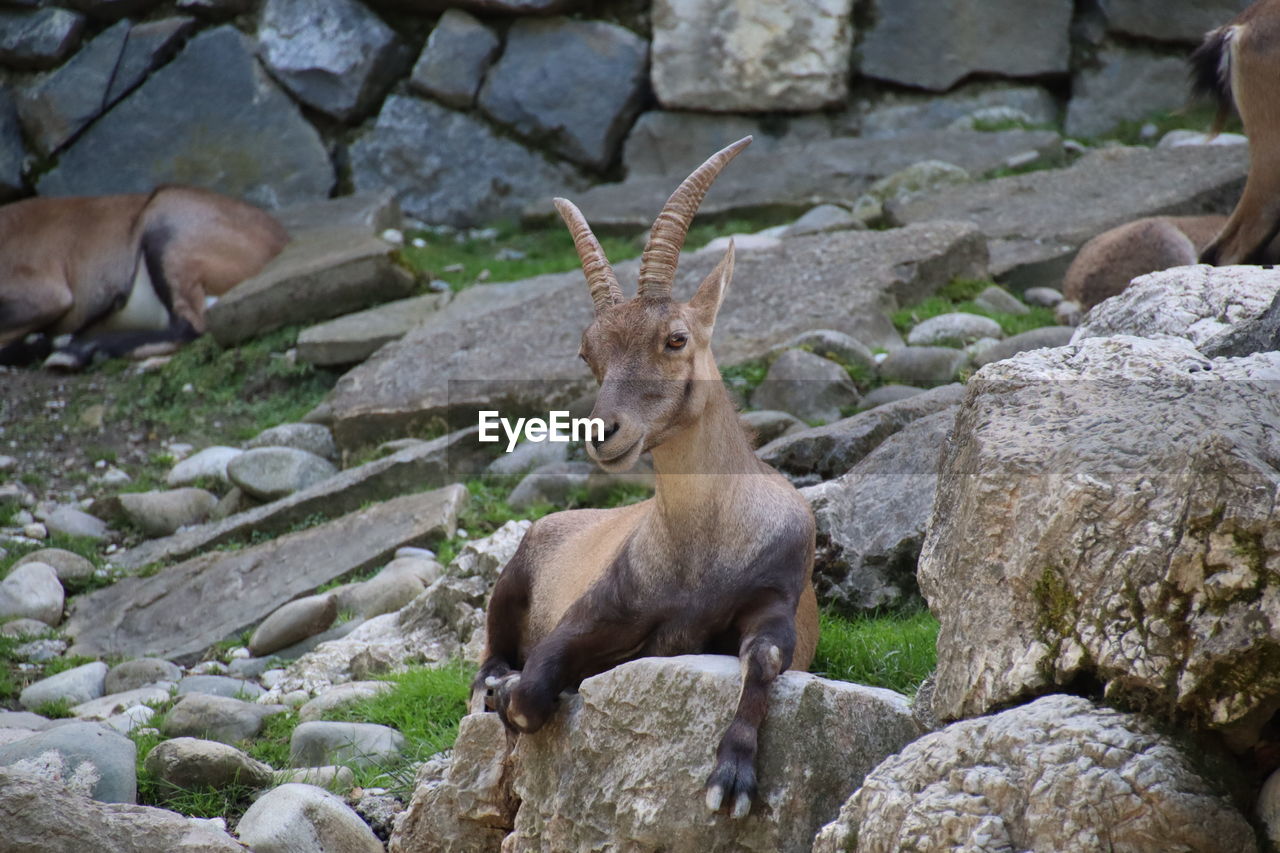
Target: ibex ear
[706, 302]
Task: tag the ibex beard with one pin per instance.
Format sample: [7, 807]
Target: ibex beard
[719, 560]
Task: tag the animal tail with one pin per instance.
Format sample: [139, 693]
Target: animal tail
[1211, 72]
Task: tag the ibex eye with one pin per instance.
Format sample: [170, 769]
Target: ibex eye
[676, 341]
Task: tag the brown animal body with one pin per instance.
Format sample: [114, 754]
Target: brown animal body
[720, 560]
[120, 273]
[1105, 265]
[1238, 64]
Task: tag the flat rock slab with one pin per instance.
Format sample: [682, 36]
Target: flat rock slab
[451, 365]
[182, 610]
[1037, 221]
[431, 463]
[828, 171]
[373, 211]
[355, 337]
[321, 274]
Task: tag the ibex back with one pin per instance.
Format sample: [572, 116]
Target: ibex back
[720, 560]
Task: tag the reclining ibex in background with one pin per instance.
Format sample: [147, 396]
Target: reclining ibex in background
[720, 560]
[122, 273]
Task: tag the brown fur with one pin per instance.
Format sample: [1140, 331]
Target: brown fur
[1106, 265]
[720, 560]
[1248, 51]
[67, 265]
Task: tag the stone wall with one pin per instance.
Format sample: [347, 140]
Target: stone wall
[472, 109]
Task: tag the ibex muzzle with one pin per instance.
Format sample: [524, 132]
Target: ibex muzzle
[720, 560]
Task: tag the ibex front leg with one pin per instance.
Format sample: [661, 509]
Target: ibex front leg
[768, 641]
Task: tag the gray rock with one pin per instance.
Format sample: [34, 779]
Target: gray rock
[998, 299]
[1166, 485]
[294, 622]
[443, 460]
[39, 38]
[208, 464]
[185, 608]
[918, 43]
[927, 176]
[1032, 778]
[333, 55]
[112, 704]
[826, 452]
[790, 56]
[527, 456]
[23, 627]
[337, 632]
[219, 685]
[358, 744]
[871, 521]
[523, 91]
[304, 817]
[1198, 303]
[453, 63]
[373, 212]
[224, 125]
[188, 762]
[385, 593]
[549, 484]
[91, 760]
[954, 329]
[1268, 807]
[23, 720]
[76, 685]
[1260, 334]
[589, 780]
[837, 281]
[1178, 138]
[786, 178]
[1044, 297]
[51, 816]
[321, 274]
[70, 521]
[313, 438]
[270, 473]
[1176, 22]
[766, 425]
[830, 344]
[252, 667]
[339, 695]
[59, 105]
[1046, 337]
[140, 672]
[1036, 222]
[467, 174]
[352, 338]
[32, 591]
[1126, 83]
[69, 565]
[923, 365]
[905, 112]
[889, 394]
[824, 218]
[806, 385]
[667, 143]
[161, 513]
[333, 777]
[216, 717]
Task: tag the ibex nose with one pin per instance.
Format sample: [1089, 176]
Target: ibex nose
[610, 430]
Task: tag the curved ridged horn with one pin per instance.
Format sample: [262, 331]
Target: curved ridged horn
[601, 281]
[666, 238]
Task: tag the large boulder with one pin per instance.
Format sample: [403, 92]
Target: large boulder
[212, 118]
[544, 59]
[90, 759]
[1058, 774]
[453, 63]
[296, 817]
[1035, 222]
[841, 282]
[450, 167]
[333, 55]
[1105, 515]
[1165, 21]
[871, 521]
[1121, 84]
[789, 55]
[1202, 304]
[934, 46]
[623, 763]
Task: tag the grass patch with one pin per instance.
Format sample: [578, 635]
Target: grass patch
[894, 650]
[271, 746]
[515, 252]
[746, 377]
[959, 296]
[55, 709]
[1197, 117]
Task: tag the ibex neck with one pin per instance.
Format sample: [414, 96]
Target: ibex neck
[702, 466]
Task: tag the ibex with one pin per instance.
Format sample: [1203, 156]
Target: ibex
[122, 273]
[1239, 64]
[719, 560]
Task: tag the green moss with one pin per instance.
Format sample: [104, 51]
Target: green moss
[1055, 604]
[1011, 324]
[895, 649]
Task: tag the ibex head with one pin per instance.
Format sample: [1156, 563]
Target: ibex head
[651, 354]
